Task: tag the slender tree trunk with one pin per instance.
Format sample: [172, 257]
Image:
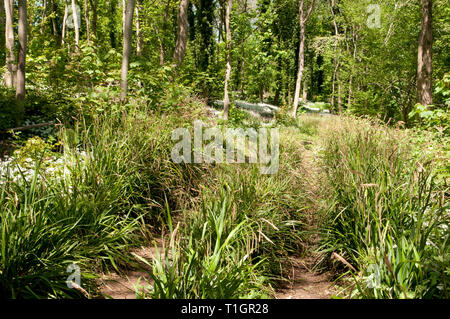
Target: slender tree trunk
[226, 106]
[127, 32]
[66, 14]
[336, 76]
[94, 5]
[162, 50]
[11, 67]
[139, 36]
[111, 25]
[2, 22]
[301, 53]
[55, 32]
[88, 21]
[44, 17]
[124, 12]
[76, 24]
[22, 34]
[424, 63]
[182, 18]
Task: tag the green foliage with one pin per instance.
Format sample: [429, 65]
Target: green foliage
[385, 203]
[86, 207]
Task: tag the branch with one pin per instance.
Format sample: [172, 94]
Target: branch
[309, 12]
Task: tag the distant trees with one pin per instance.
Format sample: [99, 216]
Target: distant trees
[331, 51]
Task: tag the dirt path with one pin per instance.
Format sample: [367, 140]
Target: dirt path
[125, 285]
[305, 283]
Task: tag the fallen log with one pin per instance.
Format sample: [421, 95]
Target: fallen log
[27, 127]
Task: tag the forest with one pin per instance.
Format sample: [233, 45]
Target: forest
[315, 142]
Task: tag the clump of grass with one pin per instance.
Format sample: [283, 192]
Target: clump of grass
[115, 175]
[235, 243]
[309, 125]
[385, 212]
[209, 258]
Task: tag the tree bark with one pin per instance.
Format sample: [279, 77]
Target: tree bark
[226, 99]
[76, 24]
[336, 75]
[94, 5]
[127, 32]
[301, 53]
[139, 36]
[182, 35]
[88, 21]
[424, 63]
[54, 13]
[66, 13]
[44, 17]
[11, 67]
[22, 33]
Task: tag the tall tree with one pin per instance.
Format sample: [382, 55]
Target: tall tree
[76, 25]
[424, 63]
[94, 6]
[182, 33]
[139, 35]
[88, 21]
[20, 84]
[226, 99]
[11, 68]
[301, 54]
[127, 32]
[336, 75]
[64, 26]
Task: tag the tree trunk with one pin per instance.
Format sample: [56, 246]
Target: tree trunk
[180, 46]
[111, 25]
[139, 36]
[54, 13]
[94, 6]
[22, 33]
[162, 50]
[88, 21]
[301, 66]
[76, 24]
[128, 24]
[226, 99]
[424, 63]
[44, 17]
[301, 53]
[11, 67]
[66, 13]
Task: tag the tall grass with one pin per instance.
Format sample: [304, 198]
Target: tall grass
[386, 216]
[236, 241]
[114, 175]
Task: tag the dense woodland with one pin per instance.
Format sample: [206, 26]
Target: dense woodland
[92, 90]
